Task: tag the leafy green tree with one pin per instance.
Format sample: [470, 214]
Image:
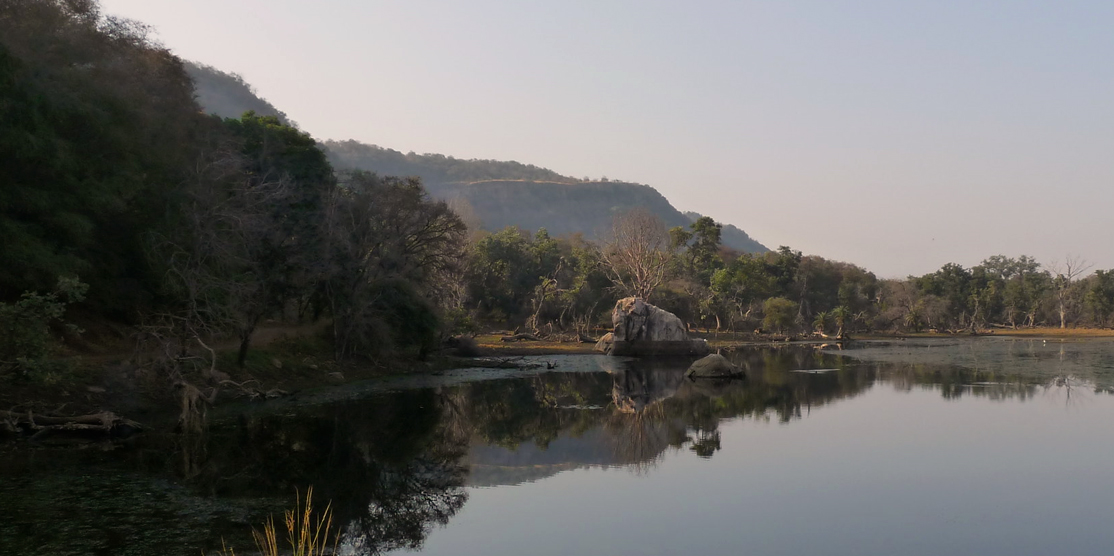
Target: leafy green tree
[952, 284]
[741, 284]
[779, 313]
[820, 321]
[502, 273]
[1099, 298]
[841, 316]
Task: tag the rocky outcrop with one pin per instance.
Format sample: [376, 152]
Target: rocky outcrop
[713, 366]
[643, 329]
[604, 343]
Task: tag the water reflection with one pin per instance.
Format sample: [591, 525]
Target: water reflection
[397, 464]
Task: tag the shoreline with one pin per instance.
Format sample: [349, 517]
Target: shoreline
[116, 384]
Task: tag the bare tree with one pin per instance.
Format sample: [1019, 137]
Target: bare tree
[637, 255]
[1064, 275]
[223, 260]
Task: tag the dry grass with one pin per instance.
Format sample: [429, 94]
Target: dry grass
[494, 343]
[306, 533]
[1057, 332]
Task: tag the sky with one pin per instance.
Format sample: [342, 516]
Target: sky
[899, 136]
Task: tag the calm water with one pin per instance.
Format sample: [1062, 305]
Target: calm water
[975, 446]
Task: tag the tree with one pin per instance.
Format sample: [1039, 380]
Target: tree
[1064, 275]
[392, 255]
[841, 315]
[701, 248]
[637, 255]
[219, 262]
[952, 284]
[25, 336]
[1022, 285]
[779, 313]
[740, 285]
[98, 128]
[1100, 297]
[502, 272]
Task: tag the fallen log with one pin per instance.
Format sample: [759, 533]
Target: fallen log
[39, 426]
[522, 336]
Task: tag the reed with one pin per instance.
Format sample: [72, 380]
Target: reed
[307, 533]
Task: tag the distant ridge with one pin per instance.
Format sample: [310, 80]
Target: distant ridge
[498, 193]
[733, 237]
[227, 95]
[514, 194]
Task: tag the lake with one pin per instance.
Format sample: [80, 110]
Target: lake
[950, 446]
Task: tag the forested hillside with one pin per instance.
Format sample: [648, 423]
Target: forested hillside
[118, 193]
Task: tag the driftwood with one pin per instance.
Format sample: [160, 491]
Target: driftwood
[504, 363]
[42, 425]
[522, 336]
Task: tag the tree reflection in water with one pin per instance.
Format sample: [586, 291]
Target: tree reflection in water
[389, 464]
[396, 464]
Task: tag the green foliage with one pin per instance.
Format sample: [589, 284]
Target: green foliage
[512, 278]
[779, 313]
[97, 131]
[26, 341]
[504, 269]
[392, 256]
[410, 317]
[1099, 298]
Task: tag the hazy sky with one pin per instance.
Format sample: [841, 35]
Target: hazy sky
[897, 135]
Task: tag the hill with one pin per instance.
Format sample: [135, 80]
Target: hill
[498, 193]
[514, 194]
[733, 237]
[227, 94]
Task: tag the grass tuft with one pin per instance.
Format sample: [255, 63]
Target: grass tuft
[306, 533]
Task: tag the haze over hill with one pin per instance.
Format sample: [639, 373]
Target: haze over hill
[227, 94]
[498, 193]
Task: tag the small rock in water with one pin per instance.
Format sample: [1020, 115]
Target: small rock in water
[713, 366]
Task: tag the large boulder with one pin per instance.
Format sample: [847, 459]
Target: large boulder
[636, 320]
[713, 366]
[604, 343]
[643, 329]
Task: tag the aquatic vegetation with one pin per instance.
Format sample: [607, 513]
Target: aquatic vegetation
[308, 533]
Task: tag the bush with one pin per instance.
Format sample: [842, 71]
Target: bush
[25, 327]
[780, 313]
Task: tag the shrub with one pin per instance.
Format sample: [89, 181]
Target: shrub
[25, 327]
